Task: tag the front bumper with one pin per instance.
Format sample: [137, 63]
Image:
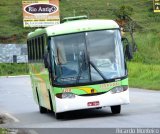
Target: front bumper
[81, 102]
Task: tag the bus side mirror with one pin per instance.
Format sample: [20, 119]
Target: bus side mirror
[127, 49]
[129, 52]
[46, 60]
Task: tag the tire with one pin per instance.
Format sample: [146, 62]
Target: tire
[59, 115]
[116, 109]
[41, 109]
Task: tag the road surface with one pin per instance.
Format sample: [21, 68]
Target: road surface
[16, 102]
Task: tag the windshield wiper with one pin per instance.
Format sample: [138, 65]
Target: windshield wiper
[98, 71]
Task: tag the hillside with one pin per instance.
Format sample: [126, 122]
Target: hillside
[144, 71]
[11, 25]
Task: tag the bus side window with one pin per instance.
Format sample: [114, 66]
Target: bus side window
[39, 48]
[31, 49]
[32, 46]
[36, 48]
[28, 49]
[42, 46]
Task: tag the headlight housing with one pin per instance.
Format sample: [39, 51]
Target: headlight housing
[65, 95]
[119, 89]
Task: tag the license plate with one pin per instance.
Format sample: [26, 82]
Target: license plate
[94, 103]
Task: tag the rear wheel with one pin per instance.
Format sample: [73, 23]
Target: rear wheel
[116, 109]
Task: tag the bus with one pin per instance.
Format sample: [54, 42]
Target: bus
[78, 64]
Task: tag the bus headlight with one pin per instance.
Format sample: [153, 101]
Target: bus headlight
[119, 89]
[65, 95]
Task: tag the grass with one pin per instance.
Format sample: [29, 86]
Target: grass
[144, 76]
[3, 131]
[144, 68]
[13, 69]
[104, 9]
[148, 48]
[11, 20]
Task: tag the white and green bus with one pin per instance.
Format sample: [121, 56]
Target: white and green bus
[79, 64]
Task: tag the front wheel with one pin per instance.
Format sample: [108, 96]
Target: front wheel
[59, 115]
[116, 109]
[42, 109]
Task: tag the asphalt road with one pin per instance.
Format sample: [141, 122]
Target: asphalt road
[16, 101]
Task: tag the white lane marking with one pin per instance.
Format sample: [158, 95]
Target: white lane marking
[12, 117]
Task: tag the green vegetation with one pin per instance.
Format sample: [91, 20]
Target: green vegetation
[105, 9]
[144, 76]
[148, 48]
[3, 131]
[13, 69]
[144, 70]
[11, 22]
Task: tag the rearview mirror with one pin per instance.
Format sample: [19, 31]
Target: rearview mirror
[127, 49]
[129, 52]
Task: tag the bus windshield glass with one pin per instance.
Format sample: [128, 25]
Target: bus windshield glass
[87, 57]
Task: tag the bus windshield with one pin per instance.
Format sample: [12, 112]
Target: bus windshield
[87, 57]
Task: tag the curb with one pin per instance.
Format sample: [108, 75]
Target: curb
[14, 76]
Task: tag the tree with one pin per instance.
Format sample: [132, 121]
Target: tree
[125, 22]
[123, 12]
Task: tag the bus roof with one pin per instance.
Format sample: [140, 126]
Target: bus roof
[74, 27]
